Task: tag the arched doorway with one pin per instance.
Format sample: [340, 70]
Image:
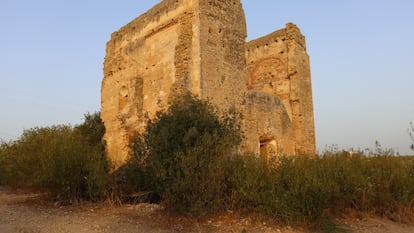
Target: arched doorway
[268, 147]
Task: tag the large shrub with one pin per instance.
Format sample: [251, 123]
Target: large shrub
[182, 153]
[67, 162]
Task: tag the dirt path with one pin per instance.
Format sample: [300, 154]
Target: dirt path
[26, 213]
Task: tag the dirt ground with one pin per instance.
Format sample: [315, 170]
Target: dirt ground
[28, 213]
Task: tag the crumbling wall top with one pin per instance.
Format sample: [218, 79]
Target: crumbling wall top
[291, 31]
[152, 16]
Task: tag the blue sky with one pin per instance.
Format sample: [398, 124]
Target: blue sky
[362, 62]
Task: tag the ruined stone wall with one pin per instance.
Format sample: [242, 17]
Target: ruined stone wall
[267, 126]
[147, 61]
[177, 46]
[279, 64]
[199, 46]
[222, 40]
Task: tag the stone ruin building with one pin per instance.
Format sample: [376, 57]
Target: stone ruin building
[200, 46]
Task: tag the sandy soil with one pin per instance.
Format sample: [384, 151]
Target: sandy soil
[28, 213]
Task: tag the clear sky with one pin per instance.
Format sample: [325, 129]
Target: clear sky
[362, 62]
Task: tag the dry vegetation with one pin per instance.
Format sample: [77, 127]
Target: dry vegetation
[187, 161]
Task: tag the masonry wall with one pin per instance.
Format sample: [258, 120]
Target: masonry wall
[267, 126]
[199, 46]
[223, 65]
[147, 61]
[279, 64]
[177, 46]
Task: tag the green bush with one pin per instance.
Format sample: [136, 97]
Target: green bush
[293, 189]
[67, 162]
[248, 178]
[300, 188]
[182, 153]
[200, 185]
